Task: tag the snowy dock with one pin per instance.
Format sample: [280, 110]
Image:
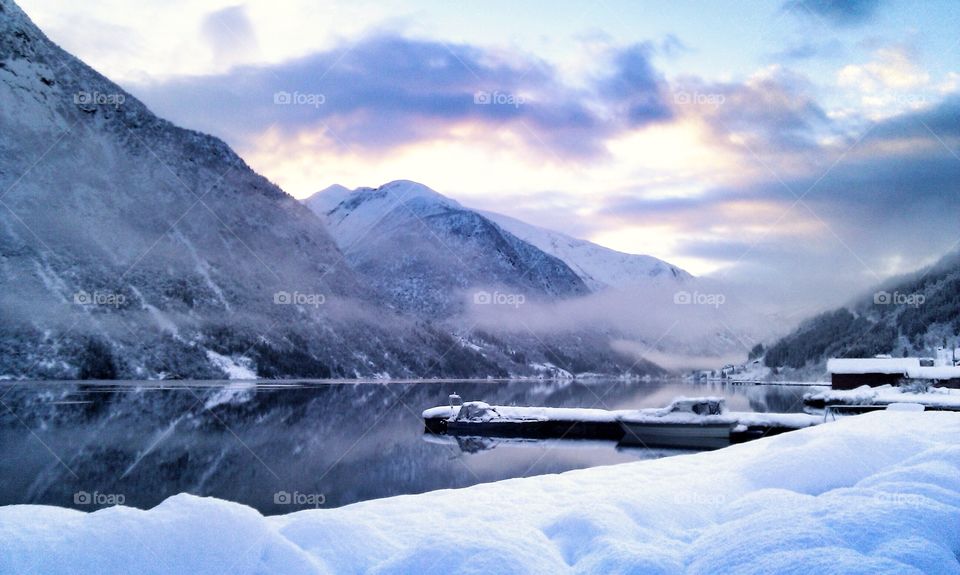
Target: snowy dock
[700, 423]
[481, 419]
[867, 398]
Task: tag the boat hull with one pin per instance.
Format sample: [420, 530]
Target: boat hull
[688, 435]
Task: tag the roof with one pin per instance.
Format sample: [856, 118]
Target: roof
[907, 366]
[873, 365]
[940, 372]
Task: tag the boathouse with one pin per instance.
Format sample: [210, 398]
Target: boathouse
[850, 373]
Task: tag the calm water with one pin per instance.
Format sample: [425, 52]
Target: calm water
[280, 447]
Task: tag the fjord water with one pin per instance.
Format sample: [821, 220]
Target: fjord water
[284, 446]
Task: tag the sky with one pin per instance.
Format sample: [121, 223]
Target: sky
[802, 150]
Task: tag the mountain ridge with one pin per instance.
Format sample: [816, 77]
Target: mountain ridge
[427, 253]
[597, 266]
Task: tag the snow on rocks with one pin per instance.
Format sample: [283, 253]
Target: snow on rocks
[239, 367]
[875, 493]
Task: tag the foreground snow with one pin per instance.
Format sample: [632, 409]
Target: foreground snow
[875, 493]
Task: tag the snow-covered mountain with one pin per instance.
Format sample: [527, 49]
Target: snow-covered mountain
[429, 255]
[130, 247]
[597, 266]
[424, 251]
[912, 315]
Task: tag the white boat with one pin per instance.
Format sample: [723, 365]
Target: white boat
[692, 423]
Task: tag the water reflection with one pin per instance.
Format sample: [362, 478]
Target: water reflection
[284, 446]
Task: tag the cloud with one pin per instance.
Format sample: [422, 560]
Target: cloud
[671, 46]
[942, 120]
[891, 196]
[634, 89]
[836, 12]
[410, 105]
[772, 111]
[891, 69]
[229, 34]
[386, 91]
[809, 49]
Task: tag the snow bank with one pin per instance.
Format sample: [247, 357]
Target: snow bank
[794, 420]
[887, 394]
[875, 493]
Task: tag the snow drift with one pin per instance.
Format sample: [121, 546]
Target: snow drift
[877, 493]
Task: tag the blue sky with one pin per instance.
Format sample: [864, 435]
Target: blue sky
[803, 149]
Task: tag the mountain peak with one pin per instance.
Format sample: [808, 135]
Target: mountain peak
[335, 189]
[341, 201]
[397, 191]
[403, 190]
[327, 199]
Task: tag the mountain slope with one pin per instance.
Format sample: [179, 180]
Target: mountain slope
[597, 266]
[131, 248]
[428, 254]
[910, 315]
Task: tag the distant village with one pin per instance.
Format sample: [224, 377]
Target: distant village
[849, 373]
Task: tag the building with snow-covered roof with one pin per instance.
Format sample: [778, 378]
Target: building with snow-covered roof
[850, 373]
